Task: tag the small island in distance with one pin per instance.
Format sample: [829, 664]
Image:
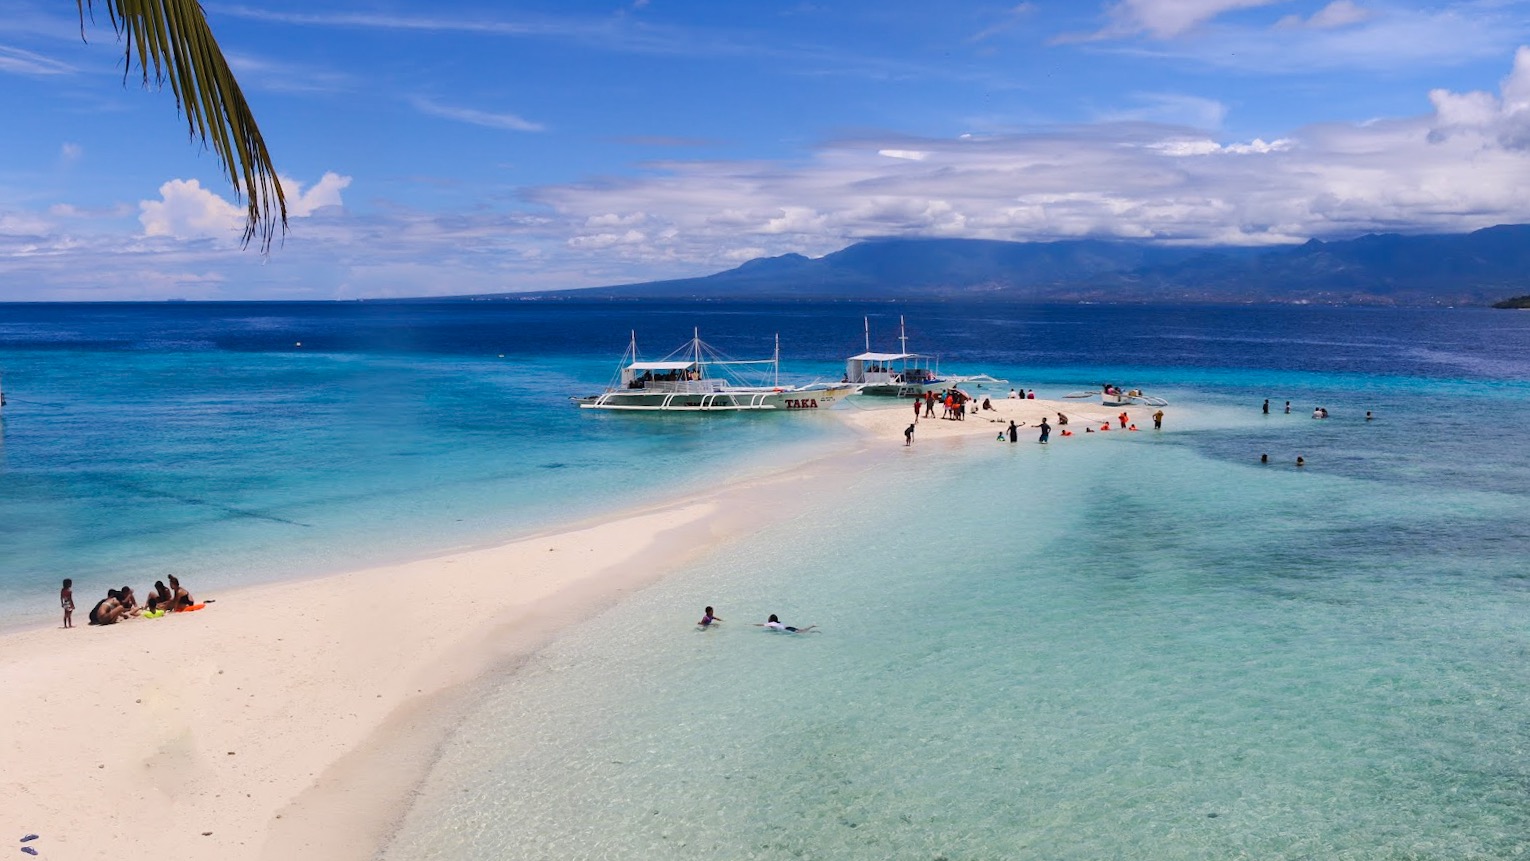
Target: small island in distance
[1518, 303]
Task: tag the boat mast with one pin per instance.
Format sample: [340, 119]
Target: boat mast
[866, 321]
[776, 366]
[902, 335]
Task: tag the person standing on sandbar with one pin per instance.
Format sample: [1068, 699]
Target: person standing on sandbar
[908, 435]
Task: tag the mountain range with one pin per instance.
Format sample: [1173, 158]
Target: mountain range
[1477, 268]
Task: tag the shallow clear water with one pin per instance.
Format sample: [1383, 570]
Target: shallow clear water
[1122, 647]
[1141, 646]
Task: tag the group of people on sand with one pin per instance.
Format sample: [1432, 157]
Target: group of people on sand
[1022, 394]
[953, 402]
[710, 619]
[122, 604]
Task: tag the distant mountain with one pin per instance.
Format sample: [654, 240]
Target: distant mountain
[1379, 269]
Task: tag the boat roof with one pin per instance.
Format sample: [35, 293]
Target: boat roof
[661, 366]
[882, 357]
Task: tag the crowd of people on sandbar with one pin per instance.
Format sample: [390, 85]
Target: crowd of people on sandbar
[122, 604]
[710, 619]
[954, 405]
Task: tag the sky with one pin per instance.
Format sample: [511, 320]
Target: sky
[448, 148]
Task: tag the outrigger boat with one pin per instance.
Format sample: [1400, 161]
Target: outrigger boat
[1115, 396]
[902, 374]
[696, 378]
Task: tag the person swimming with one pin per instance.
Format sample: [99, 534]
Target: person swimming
[708, 618]
[774, 624]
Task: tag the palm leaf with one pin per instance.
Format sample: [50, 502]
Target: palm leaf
[171, 38]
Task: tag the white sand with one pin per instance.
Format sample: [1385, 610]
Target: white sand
[885, 422]
[293, 719]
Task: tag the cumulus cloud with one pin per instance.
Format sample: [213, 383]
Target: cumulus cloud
[186, 210]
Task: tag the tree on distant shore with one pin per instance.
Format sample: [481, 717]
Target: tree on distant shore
[172, 37]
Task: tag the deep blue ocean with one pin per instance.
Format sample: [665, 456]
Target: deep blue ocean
[1148, 646]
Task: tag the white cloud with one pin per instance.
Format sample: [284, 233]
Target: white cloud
[1342, 36]
[326, 192]
[70, 152]
[907, 154]
[472, 116]
[1165, 19]
[186, 210]
[1339, 13]
[19, 62]
[1460, 167]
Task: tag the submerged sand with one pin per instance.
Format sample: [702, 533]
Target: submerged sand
[294, 719]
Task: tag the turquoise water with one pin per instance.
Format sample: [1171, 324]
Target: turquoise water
[1139, 646]
[1142, 646]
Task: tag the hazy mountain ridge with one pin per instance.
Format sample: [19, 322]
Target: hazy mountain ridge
[1476, 268]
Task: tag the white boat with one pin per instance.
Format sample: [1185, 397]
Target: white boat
[1115, 396]
[902, 374]
[696, 378]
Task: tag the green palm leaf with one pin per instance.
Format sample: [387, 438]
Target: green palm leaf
[172, 38]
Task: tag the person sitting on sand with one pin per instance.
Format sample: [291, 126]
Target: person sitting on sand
[127, 599]
[1062, 419]
[774, 624]
[1014, 395]
[160, 598]
[708, 618]
[178, 597]
[106, 612]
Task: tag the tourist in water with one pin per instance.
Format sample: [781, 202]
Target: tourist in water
[1264, 458]
[1266, 406]
[708, 618]
[1014, 432]
[1158, 420]
[774, 624]
[908, 435]
[1368, 416]
[1288, 407]
[1123, 418]
[1301, 461]
[1046, 430]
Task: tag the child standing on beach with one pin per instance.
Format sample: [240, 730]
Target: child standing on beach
[66, 600]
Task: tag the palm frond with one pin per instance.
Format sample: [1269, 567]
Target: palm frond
[169, 41]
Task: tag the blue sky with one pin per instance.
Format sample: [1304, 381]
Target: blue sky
[459, 147]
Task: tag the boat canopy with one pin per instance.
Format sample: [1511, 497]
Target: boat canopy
[660, 366]
[883, 357]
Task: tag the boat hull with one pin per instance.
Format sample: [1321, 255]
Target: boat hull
[722, 400]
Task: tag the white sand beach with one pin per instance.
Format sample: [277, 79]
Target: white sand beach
[294, 719]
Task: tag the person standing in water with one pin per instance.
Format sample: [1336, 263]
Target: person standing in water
[908, 435]
[1266, 406]
[1014, 433]
[1046, 430]
[1158, 420]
